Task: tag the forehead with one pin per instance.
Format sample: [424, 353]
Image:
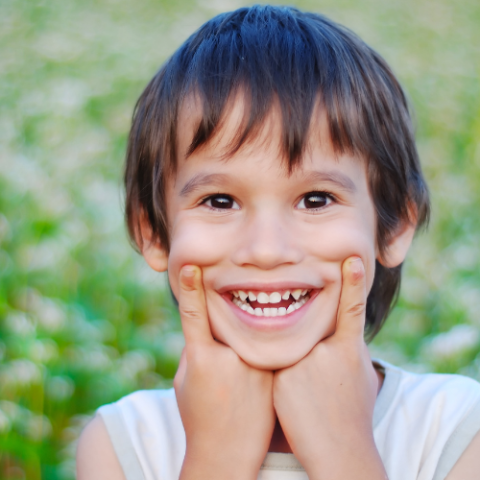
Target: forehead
[232, 133]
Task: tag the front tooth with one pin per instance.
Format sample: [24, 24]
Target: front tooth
[273, 312]
[286, 295]
[243, 295]
[275, 297]
[263, 297]
[282, 311]
[296, 294]
[266, 312]
[250, 310]
[259, 312]
[252, 297]
[291, 308]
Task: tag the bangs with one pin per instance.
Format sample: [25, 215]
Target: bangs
[291, 60]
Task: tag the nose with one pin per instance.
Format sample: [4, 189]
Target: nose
[267, 242]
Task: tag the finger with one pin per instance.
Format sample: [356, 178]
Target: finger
[193, 311]
[180, 375]
[353, 299]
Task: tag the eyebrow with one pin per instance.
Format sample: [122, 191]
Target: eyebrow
[337, 178]
[202, 179]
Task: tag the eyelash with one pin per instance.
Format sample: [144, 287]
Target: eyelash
[217, 196]
[330, 198]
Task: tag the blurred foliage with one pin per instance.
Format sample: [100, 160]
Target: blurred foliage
[82, 320]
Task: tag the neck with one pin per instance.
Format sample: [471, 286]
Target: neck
[279, 443]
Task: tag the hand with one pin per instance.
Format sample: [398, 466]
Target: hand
[226, 406]
[325, 402]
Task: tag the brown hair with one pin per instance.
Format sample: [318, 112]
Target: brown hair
[280, 54]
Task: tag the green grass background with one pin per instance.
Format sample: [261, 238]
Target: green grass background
[82, 319]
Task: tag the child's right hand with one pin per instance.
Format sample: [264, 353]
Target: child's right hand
[226, 406]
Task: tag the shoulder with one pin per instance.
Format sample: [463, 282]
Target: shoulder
[96, 457]
[427, 421]
[445, 402]
[451, 396]
[468, 465]
[143, 412]
[435, 402]
[433, 390]
[142, 432]
[142, 403]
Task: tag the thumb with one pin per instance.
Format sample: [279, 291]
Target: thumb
[353, 299]
[192, 307]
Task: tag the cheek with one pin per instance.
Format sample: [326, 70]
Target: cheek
[194, 243]
[346, 239]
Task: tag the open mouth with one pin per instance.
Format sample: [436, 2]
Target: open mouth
[270, 304]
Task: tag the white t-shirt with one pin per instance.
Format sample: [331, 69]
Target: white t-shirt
[422, 424]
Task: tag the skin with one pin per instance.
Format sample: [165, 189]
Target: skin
[268, 239]
[319, 433]
[314, 377]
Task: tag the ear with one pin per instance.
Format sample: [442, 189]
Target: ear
[152, 250]
[398, 245]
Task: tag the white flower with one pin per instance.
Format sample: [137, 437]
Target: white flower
[449, 344]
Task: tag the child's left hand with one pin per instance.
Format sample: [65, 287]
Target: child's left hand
[325, 402]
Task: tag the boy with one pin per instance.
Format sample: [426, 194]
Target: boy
[272, 170]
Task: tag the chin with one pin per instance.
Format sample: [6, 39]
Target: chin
[276, 363]
[274, 359]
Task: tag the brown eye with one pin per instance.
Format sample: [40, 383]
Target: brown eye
[314, 200]
[221, 202]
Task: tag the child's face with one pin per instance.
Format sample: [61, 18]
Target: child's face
[251, 227]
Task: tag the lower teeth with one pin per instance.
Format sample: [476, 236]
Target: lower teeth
[270, 312]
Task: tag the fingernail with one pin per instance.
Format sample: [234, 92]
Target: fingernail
[356, 265]
[188, 271]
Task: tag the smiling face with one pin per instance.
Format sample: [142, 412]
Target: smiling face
[270, 244]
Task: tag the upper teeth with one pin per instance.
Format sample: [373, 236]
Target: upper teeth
[263, 297]
[272, 297]
[269, 312]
